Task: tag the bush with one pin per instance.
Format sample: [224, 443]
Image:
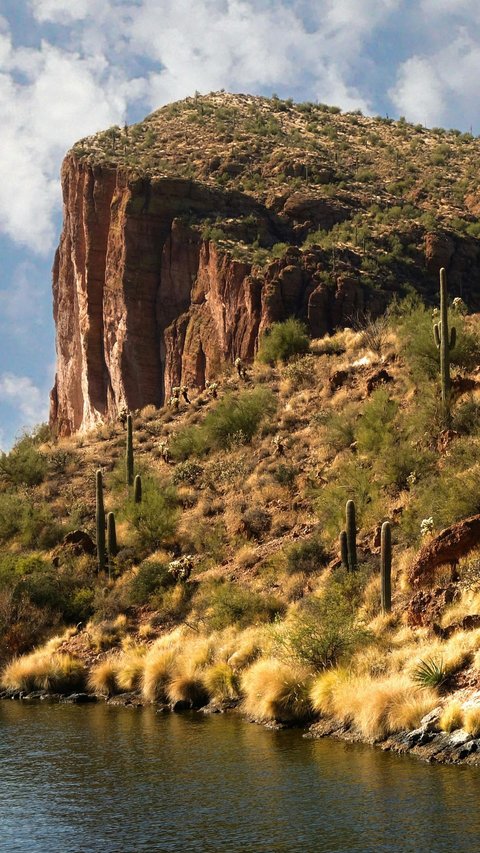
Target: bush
[324, 630]
[235, 417]
[307, 556]
[155, 518]
[24, 465]
[373, 426]
[283, 341]
[222, 603]
[149, 579]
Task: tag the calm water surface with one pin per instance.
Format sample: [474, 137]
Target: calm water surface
[82, 779]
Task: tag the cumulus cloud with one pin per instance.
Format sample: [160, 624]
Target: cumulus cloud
[22, 392]
[441, 87]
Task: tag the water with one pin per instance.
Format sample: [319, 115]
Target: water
[100, 779]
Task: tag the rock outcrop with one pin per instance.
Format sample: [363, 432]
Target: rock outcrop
[142, 302]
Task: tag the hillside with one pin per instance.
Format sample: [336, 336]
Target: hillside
[248, 488]
[189, 234]
[228, 585]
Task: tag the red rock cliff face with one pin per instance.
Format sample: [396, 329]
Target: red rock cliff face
[142, 303]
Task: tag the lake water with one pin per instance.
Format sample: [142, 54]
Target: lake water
[100, 779]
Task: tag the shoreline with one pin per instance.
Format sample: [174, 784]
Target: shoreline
[424, 743]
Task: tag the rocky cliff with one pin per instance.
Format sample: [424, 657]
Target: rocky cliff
[186, 236]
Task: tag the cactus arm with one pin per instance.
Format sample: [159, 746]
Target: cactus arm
[386, 567]
[436, 335]
[100, 520]
[344, 549]
[129, 453]
[137, 489]
[351, 535]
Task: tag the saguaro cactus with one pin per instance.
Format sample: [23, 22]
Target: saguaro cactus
[351, 535]
[445, 342]
[386, 566]
[344, 549]
[129, 454]
[100, 520]
[111, 535]
[137, 489]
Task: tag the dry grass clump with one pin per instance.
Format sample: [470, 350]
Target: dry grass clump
[130, 667]
[471, 721]
[102, 678]
[376, 707]
[187, 688]
[107, 634]
[157, 672]
[221, 682]
[41, 670]
[451, 717]
[276, 691]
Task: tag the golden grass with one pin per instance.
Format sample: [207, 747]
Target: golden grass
[107, 634]
[187, 687]
[276, 691]
[221, 682]
[471, 721]
[41, 670]
[130, 666]
[376, 707]
[102, 678]
[157, 673]
[452, 717]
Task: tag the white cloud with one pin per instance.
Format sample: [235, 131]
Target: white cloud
[21, 392]
[441, 88]
[62, 11]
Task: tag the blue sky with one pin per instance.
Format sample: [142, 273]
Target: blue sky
[71, 67]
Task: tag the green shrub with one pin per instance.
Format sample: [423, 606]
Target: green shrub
[307, 556]
[25, 465]
[155, 518]
[372, 429]
[222, 603]
[340, 427]
[283, 341]
[10, 517]
[235, 417]
[324, 631]
[149, 579]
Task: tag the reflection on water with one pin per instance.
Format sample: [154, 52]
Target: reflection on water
[99, 779]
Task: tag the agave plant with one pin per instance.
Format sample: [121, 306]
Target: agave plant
[430, 673]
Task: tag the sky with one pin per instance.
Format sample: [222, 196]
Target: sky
[69, 68]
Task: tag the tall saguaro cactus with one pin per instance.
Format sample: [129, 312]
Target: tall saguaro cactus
[445, 342]
[386, 567]
[137, 489]
[100, 520]
[344, 549]
[129, 453]
[351, 535]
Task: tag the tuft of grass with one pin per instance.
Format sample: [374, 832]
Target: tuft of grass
[187, 688]
[102, 678]
[157, 673]
[452, 717]
[471, 722]
[221, 682]
[276, 691]
[55, 673]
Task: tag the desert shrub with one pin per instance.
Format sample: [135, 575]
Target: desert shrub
[446, 499]
[430, 673]
[324, 630]
[372, 428]
[466, 417]
[285, 475]
[349, 480]
[300, 371]
[40, 670]
[155, 517]
[236, 417]
[284, 341]
[148, 580]
[414, 324]
[10, 517]
[307, 556]
[452, 717]
[340, 427]
[223, 603]
[255, 522]
[25, 465]
[187, 472]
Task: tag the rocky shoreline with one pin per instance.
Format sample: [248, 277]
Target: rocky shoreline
[425, 743]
